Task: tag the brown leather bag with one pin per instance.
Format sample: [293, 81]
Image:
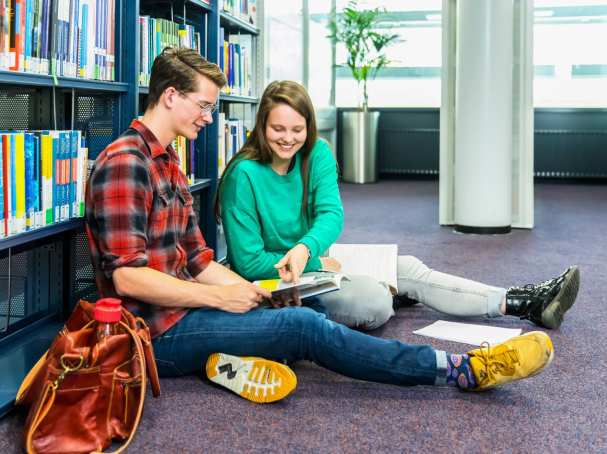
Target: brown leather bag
[86, 392]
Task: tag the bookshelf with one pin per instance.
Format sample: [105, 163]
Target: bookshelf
[43, 272]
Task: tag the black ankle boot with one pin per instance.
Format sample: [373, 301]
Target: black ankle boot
[399, 301]
[545, 304]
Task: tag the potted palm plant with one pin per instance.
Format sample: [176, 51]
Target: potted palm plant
[357, 31]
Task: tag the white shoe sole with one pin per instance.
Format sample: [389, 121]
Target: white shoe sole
[256, 379]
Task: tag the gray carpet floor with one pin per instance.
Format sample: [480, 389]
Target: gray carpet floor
[562, 410]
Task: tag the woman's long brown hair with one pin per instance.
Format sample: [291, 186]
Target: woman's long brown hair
[256, 146]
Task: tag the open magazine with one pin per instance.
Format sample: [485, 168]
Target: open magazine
[376, 260]
[307, 285]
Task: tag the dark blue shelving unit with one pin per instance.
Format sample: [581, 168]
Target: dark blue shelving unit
[232, 25]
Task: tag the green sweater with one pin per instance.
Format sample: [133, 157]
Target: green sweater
[262, 218]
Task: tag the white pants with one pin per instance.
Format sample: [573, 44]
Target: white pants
[365, 303]
[446, 293]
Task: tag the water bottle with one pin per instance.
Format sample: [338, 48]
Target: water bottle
[107, 313]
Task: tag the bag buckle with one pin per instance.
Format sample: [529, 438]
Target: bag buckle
[68, 366]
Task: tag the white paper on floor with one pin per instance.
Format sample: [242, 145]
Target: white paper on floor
[467, 333]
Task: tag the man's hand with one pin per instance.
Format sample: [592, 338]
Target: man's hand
[286, 298]
[241, 298]
[330, 264]
[292, 264]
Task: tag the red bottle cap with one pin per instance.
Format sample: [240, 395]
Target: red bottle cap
[108, 310]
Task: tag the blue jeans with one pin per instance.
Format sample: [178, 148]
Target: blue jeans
[295, 334]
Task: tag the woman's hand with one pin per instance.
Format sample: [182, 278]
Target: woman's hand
[330, 264]
[292, 264]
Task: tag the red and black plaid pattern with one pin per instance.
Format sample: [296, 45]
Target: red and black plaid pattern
[139, 213]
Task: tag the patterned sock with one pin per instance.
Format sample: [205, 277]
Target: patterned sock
[459, 371]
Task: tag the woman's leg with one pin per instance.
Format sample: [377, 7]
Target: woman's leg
[361, 302]
[446, 293]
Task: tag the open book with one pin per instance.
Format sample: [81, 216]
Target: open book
[375, 260]
[307, 285]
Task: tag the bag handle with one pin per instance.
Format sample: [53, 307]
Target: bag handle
[150, 360]
[48, 398]
[141, 355]
[46, 402]
[29, 378]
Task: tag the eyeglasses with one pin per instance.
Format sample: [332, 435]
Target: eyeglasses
[205, 108]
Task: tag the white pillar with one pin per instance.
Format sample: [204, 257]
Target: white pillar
[486, 146]
[483, 116]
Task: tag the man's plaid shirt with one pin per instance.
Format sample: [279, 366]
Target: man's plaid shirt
[139, 213]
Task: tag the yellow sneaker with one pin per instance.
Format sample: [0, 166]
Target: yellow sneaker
[256, 379]
[520, 357]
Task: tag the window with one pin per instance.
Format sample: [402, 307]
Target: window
[569, 53]
[284, 40]
[320, 54]
[413, 78]
[570, 61]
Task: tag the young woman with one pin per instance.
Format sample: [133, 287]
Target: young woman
[280, 207]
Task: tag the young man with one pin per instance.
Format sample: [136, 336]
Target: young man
[147, 249]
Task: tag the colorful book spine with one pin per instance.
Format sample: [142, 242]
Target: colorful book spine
[42, 178]
[37, 187]
[82, 175]
[155, 34]
[30, 181]
[19, 179]
[2, 217]
[46, 151]
[7, 184]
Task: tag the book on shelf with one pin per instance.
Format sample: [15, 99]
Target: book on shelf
[232, 134]
[43, 178]
[186, 152]
[245, 10]
[236, 61]
[221, 144]
[71, 38]
[380, 261]
[155, 34]
[308, 285]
